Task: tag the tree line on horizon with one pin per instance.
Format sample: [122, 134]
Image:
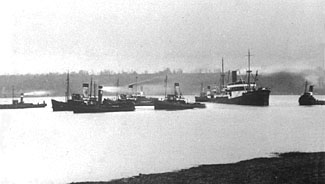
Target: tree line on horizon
[280, 83]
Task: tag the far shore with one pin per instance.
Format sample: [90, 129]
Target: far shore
[292, 167]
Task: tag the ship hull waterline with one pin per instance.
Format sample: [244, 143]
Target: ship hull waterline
[21, 106]
[61, 106]
[253, 98]
[163, 105]
[102, 108]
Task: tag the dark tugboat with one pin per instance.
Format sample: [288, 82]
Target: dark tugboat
[308, 99]
[69, 102]
[94, 105]
[139, 98]
[241, 92]
[205, 96]
[175, 101]
[21, 105]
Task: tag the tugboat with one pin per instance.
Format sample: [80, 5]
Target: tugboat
[204, 96]
[94, 105]
[241, 92]
[175, 101]
[21, 105]
[139, 98]
[69, 102]
[308, 99]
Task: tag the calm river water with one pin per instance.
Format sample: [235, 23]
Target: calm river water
[41, 146]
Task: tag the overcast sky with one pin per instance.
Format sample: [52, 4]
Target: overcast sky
[42, 36]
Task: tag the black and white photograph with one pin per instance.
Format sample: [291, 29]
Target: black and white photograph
[162, 91]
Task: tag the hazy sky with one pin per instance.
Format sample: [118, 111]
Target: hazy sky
[41, 36]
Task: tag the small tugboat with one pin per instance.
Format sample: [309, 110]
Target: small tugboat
[21, 105]
[139, 98]
[241, 92]
[308, 99]
[175, 101]
[94, 105]
[69, 102]
[204, 96]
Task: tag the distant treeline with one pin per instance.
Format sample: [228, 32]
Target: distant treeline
[54, 84]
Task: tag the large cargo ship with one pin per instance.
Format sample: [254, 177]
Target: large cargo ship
[242, 92]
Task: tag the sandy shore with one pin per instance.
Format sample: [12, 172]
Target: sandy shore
[294, 167]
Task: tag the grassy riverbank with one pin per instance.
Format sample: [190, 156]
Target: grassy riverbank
[293, 167]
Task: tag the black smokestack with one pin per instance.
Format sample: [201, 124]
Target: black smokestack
[100, 94]
[311, 88]
[234, 76]
[22, 98]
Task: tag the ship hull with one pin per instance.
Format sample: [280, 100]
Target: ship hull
[307, 99]
[64, 106]
[117, 107]
[22, 106]
[202, 99]
[61, 106]
[145, 101]
[165, 105]
[253, 98]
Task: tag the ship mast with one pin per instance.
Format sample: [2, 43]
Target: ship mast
[95, 89]
[68, 88]
[91, 86]
[13, 93]
[222, 76]
[117, 85]
[136, 84]
[166, 86]
[249, 69]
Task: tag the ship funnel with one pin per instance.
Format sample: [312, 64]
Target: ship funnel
[311, 88]
[209, 90]
[176, 89]
[234, 76]
[22, 98]
[100, 94]
[85, 89]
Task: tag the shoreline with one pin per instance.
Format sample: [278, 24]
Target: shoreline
[291, 167]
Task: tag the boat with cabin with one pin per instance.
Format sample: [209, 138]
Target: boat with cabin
[139, 98]
[307, 97]
[70, 101]
[205, 96]
[175, 101]
[242, 92]
[98, 105]
[21, 104]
